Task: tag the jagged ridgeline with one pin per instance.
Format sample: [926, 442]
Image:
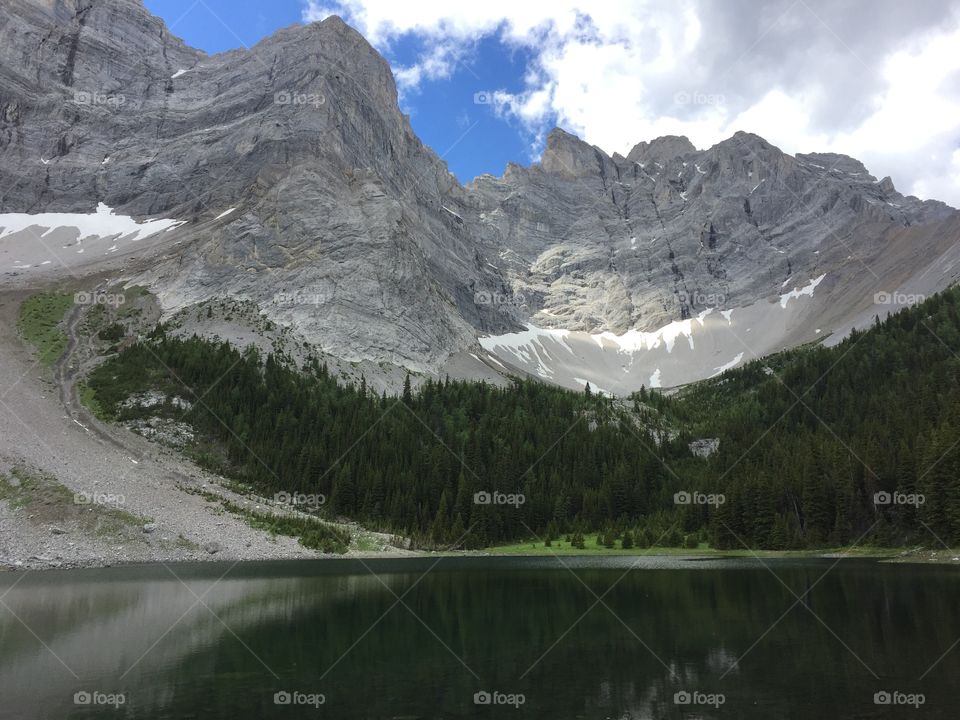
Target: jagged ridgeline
[817, 446]
[287, 175]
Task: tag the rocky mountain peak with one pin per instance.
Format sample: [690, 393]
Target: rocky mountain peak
[662, 149]
[295, 174]
[566, 154]
[886, 186]
[743, 143]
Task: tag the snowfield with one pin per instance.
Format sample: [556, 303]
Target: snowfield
[102, 223]
[681, 351]
[32, 241]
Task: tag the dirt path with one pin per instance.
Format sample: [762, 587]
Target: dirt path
[45, 431]
[65, 377]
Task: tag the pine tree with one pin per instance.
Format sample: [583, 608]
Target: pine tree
[458, 532]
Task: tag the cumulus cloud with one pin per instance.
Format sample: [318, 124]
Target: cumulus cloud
[438, 63]
[876, 79]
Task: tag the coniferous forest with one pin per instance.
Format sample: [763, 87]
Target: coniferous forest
[817, 446]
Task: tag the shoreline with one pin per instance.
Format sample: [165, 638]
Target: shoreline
[893, 556]
[176, 512]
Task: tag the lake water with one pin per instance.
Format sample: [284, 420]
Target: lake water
[420, 638]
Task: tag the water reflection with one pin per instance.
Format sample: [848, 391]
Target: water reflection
[536, 628]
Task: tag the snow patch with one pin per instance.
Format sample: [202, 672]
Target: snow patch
[452, 213]
[636, 340]
[537, 348]
[806, 290]
[178, 73]
[224, 213]
[728, 366]
[102, 223]
[655, 379]
[494, 359]
[528, 346]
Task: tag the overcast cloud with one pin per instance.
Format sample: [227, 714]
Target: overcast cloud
[878, 80]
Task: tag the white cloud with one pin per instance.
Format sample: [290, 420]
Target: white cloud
[875, 79]
[313, 11]
[437, 64]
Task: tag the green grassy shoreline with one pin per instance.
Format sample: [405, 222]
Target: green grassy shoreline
[560, 548]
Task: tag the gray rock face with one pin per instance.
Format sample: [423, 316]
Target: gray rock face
[728, 253]
[340, 207]
[670, 231]
[81, 81]
[347, 228]
[704, 447]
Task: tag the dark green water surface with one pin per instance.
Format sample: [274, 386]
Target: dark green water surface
[419, 638]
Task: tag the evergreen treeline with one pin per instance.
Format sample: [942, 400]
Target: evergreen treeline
[831, 428]
[413, 464]
[807, 439]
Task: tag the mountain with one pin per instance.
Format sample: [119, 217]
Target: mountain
[287, 176]
[673, 264]
[813, 447]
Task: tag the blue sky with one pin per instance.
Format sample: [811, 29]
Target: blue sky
[470, 137]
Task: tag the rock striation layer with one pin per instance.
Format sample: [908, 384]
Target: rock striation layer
[302, 187]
